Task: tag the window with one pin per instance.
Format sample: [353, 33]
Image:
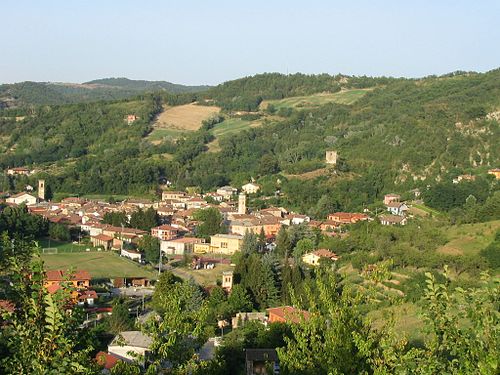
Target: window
[223, 245]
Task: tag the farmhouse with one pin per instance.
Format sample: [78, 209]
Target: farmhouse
[313, 258]
[397, 208]
[495, 172]
[21, 198]
[20, 171]
[250, 188]
[347, 217]
[389, 198]
[392, 220]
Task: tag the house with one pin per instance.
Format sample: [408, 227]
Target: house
[201, 248]
[227, 192]
[347, 217]
[173, 195]
[165, 232]
[106, 361]
[388, 198]
[287, 314]
[131, 254]
[257, 361]
[180, 246]
[19, 171]
[313, 258]
[88, 297]
[21, 198]
[296, 219]
[397, 208]
[131, 119]
[129, 344]
[241, 318]
[102, 240]
[250, 188]
[464, 177]
[79, 279]
[226, 243]
[227, 280]
[392, 220]
[495, 172]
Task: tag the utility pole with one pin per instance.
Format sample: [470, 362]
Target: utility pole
[159, 264]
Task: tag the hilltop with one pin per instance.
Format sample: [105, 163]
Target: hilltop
[55, 93]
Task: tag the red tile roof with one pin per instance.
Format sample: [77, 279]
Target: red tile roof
[289, 313]
[59, 275]
[106, 360]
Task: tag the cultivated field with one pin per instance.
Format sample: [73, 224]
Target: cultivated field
[316, 100]
[203, 277]
[174, 121]
[233, 125]
[99, 264]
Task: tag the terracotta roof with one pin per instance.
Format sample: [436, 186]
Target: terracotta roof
[7, 305]
[103, 237]
[59, 275]
[325, 253]
[289, 313]
[165, 227]
[106, 360]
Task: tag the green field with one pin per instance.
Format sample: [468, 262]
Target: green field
[233, 125]
[316, 100]
[467, 239]
[98, 264]
[63, 247]
[160, 134]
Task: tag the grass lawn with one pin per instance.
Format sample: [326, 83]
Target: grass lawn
[159, 134]
[66, 247]
[467, 239]
[316, 100]
[99, 264]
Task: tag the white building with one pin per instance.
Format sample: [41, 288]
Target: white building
[128, 342]
[131, 254]
[227, 191]
[179, 246]
[21, 198]
[251, 188]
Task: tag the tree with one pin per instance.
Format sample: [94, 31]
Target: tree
[250, 243]
[59, 232]
[144, 220]
[120, 319]
[41, 336]
[302, 247]
[239, 300]
[283, 244]
[116, 219]
[324, 342]
[209, 222]
[151, 247]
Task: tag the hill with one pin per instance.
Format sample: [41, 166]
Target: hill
[53, 93]
[391, 135]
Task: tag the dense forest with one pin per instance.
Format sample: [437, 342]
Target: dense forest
[89, 148]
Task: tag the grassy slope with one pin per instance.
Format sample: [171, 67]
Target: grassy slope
[469, 239]
[99, 264]
[316, 100]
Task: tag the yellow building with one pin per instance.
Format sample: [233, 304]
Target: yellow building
[201, 248]
[226, 243]
[495, 172]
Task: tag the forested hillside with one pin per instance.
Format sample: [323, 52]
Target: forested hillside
[47, 93]
[399, 135]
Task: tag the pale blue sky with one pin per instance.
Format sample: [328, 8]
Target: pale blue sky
[207, 42]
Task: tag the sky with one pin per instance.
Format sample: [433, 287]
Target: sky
[209, 42]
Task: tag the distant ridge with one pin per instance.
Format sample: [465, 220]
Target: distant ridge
[53, 93]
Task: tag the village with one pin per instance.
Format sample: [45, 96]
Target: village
[179, 244]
